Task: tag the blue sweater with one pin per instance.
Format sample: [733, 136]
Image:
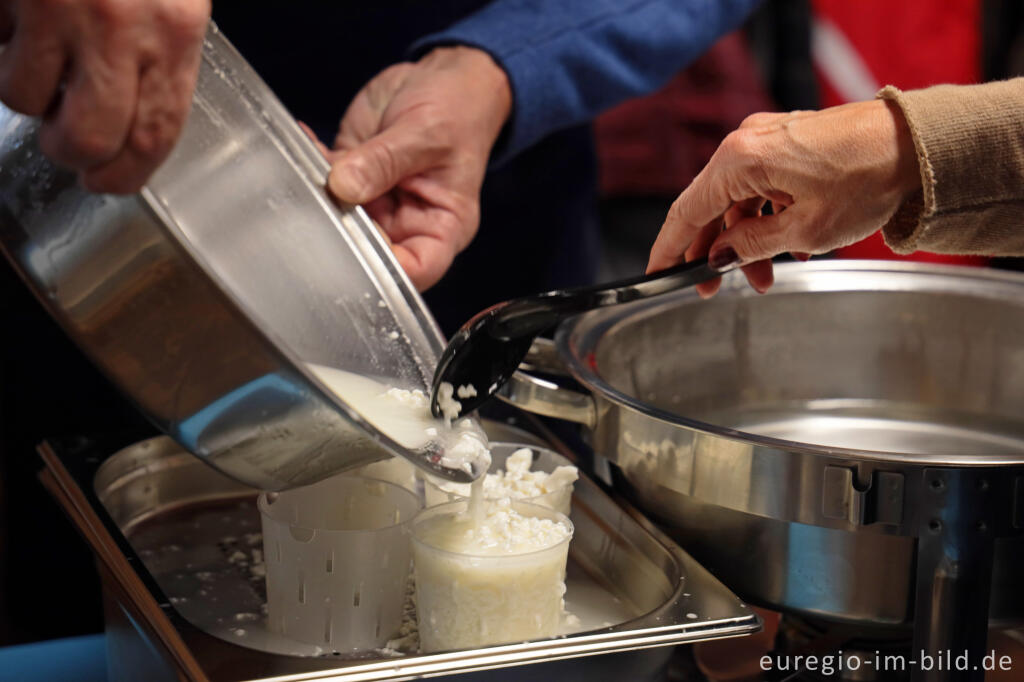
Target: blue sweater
[569, 60]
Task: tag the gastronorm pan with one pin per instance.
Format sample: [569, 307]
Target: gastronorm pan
[142, 503]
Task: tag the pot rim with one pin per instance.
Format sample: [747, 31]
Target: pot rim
[577, 338]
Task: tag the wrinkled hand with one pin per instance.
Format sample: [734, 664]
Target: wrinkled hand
[112, 80]
[413, 148]
[833, 177]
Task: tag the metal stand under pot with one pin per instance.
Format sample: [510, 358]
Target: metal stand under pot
[848, 448]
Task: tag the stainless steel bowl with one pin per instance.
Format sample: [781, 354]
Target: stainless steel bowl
[849, 446]
[204, 297]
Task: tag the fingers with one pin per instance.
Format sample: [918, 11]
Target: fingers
[96, 110]
[163, 100]
[113, 81]
[424, 258]
[701, 247]
[748, 208]
[412, 148]
[732, 175]
[733, 188]
[755, 238]
[364, 116]
[701, 204]
[760, 275]
[31, 65]
[832, 177]
[752, 240]
[382, 162]
[423, 237]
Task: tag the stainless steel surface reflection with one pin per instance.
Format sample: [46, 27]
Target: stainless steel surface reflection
[174, 541]
[831, 447]
[204, 297]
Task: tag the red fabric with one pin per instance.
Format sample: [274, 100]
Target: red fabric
[874, 248]
[910, 44]
[656, 145]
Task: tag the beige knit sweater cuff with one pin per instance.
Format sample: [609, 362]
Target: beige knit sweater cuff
[970, 147]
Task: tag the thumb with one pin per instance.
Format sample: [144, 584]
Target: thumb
[753, 239]
[378, 165]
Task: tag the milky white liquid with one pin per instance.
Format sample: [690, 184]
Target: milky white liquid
[477, 502]
[404, 417]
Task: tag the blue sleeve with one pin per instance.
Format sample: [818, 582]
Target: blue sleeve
[569, 60]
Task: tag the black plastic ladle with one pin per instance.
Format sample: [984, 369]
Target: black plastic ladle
[486, 351]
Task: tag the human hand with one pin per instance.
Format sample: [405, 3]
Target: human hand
[833, 177]
[413, 148]
[112, 80]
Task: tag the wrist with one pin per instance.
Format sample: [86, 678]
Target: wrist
[907, 170]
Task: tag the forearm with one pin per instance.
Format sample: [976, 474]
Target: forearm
[970, 148]
[568, 61]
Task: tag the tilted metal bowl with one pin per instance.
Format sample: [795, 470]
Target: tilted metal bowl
[204, 297]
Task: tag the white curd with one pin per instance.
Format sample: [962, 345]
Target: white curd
[496, 578]
[450, 407]
[516, 481]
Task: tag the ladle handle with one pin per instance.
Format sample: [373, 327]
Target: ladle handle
[644, 286]
[536, 313]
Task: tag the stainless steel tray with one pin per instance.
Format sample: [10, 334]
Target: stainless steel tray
[174, 536]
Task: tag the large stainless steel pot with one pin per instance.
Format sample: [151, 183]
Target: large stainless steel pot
[850, 445]
[205, 296]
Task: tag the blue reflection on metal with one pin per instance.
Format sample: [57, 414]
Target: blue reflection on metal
[813, 569]
[242, 406]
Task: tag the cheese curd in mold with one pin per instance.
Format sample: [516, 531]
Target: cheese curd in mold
[487, 579]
